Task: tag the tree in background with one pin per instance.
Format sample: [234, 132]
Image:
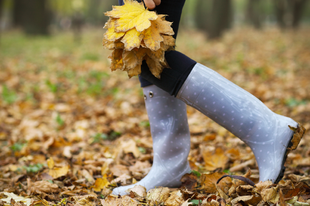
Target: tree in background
[289, 12]
[33, 16]
[254, 13]
[214, 17]
[202, 15]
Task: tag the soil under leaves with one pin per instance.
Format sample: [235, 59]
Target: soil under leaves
[70, 130]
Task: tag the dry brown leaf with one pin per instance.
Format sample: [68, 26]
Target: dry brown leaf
[111, 201]
[154, 66]
[41, 187]
[270, 195]
[56, 172]
[213, 202]
[117, 60]
[262, 185]
[137, 191]
[163, 26]
[208, 182]
[130, 146]
[157, 195]
[175, 199]
[189, 181]
[119, 170]
[215, 159]
[140, 169]
[87, 176]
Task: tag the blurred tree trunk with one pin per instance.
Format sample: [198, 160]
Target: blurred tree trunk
[33, 16]
[1, 8]
[221, 18]
[289, 12]
[280, 10]
[202, 15]
[17, 13]
[254, 13]
[298, 9]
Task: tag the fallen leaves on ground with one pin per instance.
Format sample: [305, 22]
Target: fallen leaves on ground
[71, 131]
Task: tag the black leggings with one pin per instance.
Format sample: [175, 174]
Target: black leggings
[172, 8]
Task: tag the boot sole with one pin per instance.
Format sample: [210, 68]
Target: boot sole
[295, 139]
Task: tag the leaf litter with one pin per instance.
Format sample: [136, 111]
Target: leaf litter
[68, 137]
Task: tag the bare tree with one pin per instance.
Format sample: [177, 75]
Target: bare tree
[214, 17]
[298, 8]
[221, 18]
[254, 13]
[33, 16]
[289, 12]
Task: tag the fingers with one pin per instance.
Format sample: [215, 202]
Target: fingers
[157, 2]
[151, 4]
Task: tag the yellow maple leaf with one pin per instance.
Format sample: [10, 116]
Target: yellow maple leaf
[136, 34]
[100, 184]
[132, 39]
[152, 38]
[111, 34]
[132, 15]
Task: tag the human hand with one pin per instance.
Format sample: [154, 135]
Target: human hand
[151, 4]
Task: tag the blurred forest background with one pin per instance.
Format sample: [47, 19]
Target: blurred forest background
[212, 16]
[60, 103]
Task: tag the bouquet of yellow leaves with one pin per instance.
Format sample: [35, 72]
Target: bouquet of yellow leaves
[136, 34]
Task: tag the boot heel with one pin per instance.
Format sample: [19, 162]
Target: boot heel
[296, 137]
[298, 134]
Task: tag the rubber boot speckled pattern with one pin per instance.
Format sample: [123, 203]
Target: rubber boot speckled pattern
[171, 140]
[267, 133]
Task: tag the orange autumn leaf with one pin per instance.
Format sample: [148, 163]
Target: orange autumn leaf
[100, 183]
[56, 172]
[209, 182]
[215, 159]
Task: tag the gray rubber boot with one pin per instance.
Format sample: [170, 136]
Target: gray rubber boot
[171, 140]
[267, 133]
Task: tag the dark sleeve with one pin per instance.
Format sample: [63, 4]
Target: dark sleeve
[173, 10]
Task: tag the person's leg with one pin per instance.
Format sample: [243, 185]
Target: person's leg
[171, 140]
[268, 134]
[168, 122]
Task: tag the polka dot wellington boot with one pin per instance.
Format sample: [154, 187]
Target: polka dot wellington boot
[268, 134]
[171, 140]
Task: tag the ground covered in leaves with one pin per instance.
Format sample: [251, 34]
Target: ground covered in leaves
[70, 130]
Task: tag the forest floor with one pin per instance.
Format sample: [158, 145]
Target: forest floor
[71, 130]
